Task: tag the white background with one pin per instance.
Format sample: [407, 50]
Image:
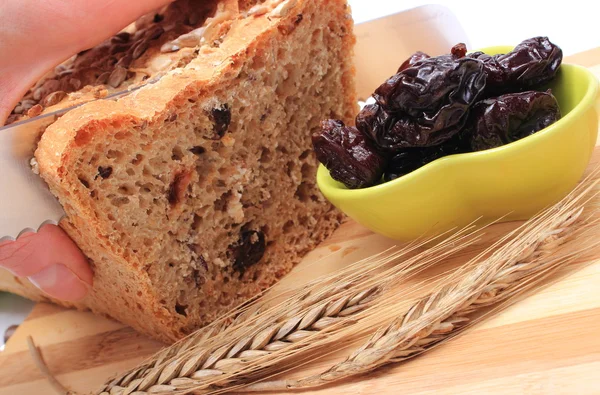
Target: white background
[574, 25]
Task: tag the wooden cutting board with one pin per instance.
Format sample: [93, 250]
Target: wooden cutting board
[548, 343]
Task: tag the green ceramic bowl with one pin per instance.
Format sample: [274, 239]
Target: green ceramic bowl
[512, 182]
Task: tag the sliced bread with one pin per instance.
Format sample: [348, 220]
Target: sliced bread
[194, 193]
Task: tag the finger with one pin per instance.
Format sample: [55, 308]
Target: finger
[51, 261]
[69, 26]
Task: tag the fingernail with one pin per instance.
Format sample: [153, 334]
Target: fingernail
[59, 282]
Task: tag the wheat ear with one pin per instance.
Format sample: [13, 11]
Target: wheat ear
[236, 352]
[192, 369]
[514, 267]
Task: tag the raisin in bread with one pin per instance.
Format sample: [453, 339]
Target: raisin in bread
[194, 193]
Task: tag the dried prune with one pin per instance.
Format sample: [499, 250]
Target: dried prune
[495, 75]
[414, 58]
[411, 159]
[395, 131]
[176, 191]
[197, 150]
[439, 106]
[423, 89]
[350, 157]
[221, 117]
[248, 250]
[425, 104]
[507, 118]
[104, 172]
[532, 62]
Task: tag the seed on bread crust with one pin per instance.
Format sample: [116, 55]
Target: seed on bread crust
[139, 49]
[117, 77]
[24, 106]
[103, 78]
[54, 98]
[155, 32]
[122, 37]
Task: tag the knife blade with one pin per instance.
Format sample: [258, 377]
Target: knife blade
[26, 203]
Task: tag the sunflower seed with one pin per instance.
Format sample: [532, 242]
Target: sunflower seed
[117, 76]
[122, 37]
[102, 78]
[138, 35]
[88, 75]
[48, 86]
[39, 93]
[63, 72]
[144, 21]
[35, 111]
[24, 105]
[139, 49]
[65, 85]
[154, 32]
[75, 83]
[125, 61]
[100, 63]
[53, 98]
[61, 68]
[51, 85]
[28, 103]
[118, 48]
[111, 62]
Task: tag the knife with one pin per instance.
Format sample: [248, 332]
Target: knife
[26, 203]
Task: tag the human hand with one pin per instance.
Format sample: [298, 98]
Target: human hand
[35, 37]
[51, 261]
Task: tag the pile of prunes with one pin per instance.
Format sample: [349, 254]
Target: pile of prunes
[438, 106]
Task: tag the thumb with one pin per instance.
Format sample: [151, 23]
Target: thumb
[33, 27]
[51, 261]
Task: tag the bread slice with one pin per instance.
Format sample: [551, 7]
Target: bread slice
[192, 194]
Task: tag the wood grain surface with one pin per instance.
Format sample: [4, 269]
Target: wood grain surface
[547, 343]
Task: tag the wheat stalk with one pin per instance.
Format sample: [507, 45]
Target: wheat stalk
[225, 352]
[264, 340]
[510, 270]
[191, 369]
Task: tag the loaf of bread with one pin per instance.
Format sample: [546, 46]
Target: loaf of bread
[196, 191]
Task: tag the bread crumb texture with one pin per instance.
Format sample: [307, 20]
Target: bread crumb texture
[196, 192]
